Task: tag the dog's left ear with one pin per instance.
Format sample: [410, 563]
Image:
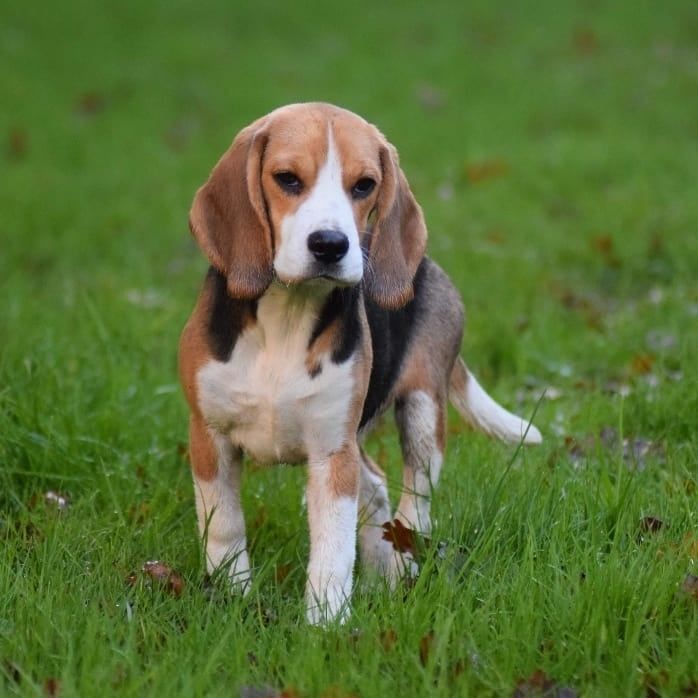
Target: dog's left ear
[398, 239]
[229, 220]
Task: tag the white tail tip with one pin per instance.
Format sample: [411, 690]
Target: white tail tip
[482, 412]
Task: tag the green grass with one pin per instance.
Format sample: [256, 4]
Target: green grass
[577, 259]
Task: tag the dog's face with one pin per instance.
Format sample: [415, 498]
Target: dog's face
[320, 179]
[311, 191]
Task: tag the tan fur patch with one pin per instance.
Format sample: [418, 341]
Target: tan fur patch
[344, 472]
[322, 345]
[202, 450]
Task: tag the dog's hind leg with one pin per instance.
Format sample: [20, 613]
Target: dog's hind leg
[420, 420]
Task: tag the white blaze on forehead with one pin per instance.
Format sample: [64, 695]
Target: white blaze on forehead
[327, 207]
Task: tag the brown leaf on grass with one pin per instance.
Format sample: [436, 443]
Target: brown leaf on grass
[388, 638]
[425, 645]
[281, 571]
[588, 307]
[17, 144]
[540, 684]
[183, 450]
[690, 586]
[139, 513]
[290, 693]
[52, 687]
[585, 41]
[162, 573]
[478, 172]
[403, 539]
[90, 104]
[457, 668]
[641, 364]
[603, 244]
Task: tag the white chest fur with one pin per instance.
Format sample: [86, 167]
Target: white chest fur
[263, 397]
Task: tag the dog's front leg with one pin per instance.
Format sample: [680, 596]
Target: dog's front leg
[332, 496]
[216, 467]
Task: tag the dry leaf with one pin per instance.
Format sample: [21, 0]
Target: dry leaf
[388, 638]
[479, 172]
[281, 571]
[540, 684]
[90, 103]
[52, 687]
[425, 645]
[139, 513]
[403, 539]
[17, 144]
[585, 41]
[641, 364]
[160, 572]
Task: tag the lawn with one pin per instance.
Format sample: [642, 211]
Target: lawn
[554, 148]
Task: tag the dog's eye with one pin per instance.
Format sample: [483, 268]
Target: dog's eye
[363, 188]
[289, 182]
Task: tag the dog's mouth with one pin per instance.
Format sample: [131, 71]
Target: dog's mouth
[324, 276]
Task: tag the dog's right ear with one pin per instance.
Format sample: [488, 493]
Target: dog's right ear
[228, 217]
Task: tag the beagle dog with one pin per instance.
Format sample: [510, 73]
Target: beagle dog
[319, 312]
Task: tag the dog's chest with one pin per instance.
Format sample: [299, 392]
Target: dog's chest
[264, 397]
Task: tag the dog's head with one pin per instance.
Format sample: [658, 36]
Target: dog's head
[311, 191]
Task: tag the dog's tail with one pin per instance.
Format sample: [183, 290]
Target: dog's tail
[483, 413]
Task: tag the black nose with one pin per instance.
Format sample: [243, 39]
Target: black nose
[328, 246]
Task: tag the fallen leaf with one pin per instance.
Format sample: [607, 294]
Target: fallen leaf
[281, 571]
[139, 512]
[540, 684]
[690, 585]
[404, 539]
[90, 104]
[479, 172]
[425, 645]
[160, 572]
[52, 687]
[388, 638]
[17, 144]
[457, 668]
[585, 41]
[641, 364]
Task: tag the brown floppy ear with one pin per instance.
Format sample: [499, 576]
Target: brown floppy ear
[228, 217]
[398, 239]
